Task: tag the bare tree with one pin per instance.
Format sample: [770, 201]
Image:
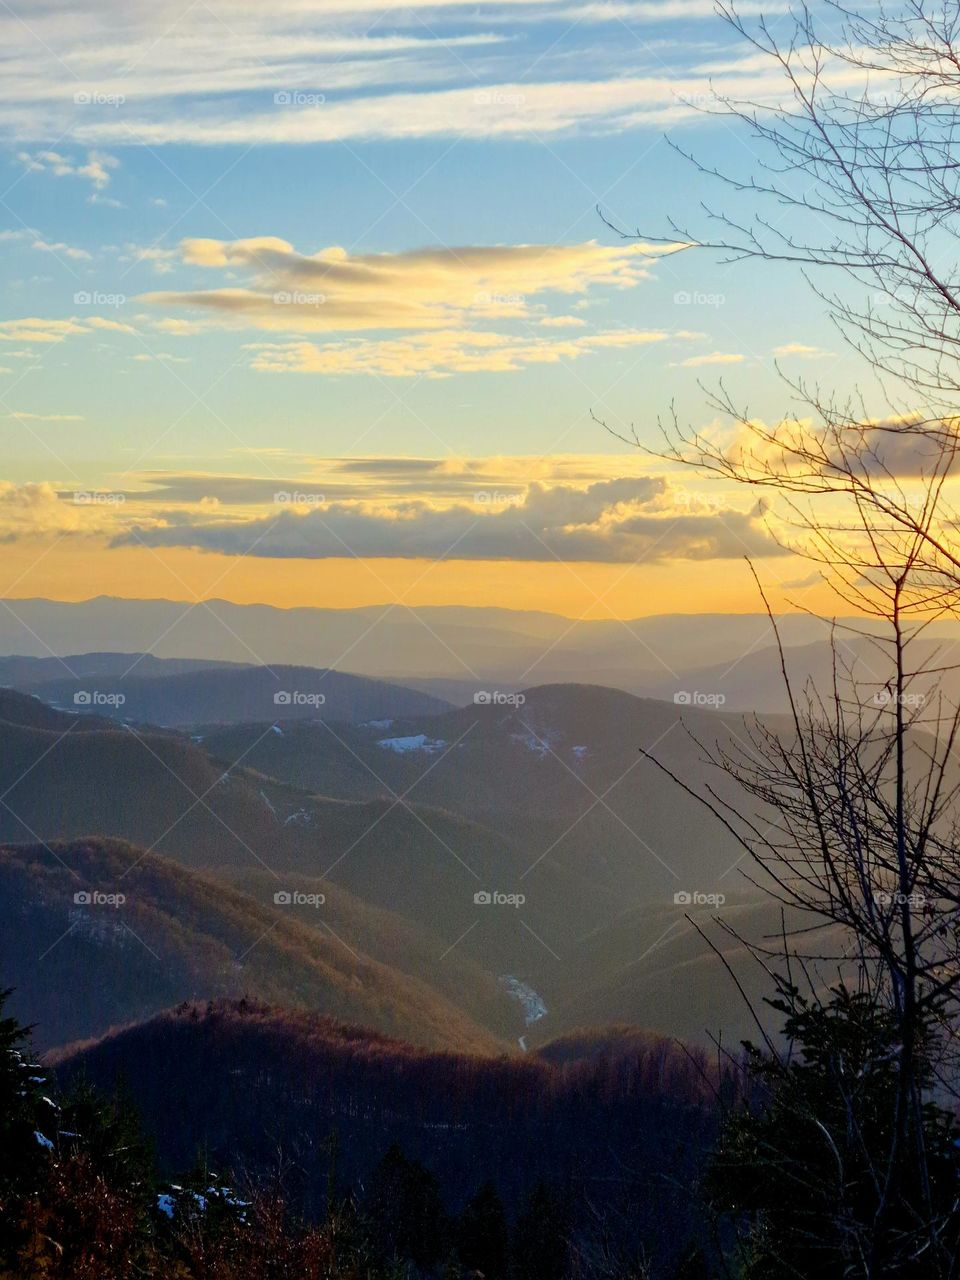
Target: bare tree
[853, 819]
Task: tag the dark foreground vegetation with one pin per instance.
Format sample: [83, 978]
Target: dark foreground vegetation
[232, 1140]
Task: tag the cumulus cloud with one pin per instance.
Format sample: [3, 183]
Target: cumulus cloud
[612, 521]
[38, 510]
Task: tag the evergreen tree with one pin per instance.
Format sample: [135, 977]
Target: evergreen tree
[482, 1235]
[809, 1167]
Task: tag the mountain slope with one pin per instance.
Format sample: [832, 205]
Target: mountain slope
[145, 933]
[227, 694]
[240, 1082]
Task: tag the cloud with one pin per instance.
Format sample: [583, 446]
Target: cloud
[439, 287]
[439, 355]
[22, 416]
[37, 329]
[63, 250]
[95, 169]
[714, 357]
[37, 511]
[801, 351]
[611, 521]
[384, 479]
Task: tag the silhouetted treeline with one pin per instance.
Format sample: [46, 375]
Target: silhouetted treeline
[253, 1088]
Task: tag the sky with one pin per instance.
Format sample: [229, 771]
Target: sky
[339, 303]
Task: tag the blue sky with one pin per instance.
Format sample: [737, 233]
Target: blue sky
[246, 240]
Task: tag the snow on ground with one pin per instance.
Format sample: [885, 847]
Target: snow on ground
[539, 743]
[579, 752]
[532, 1004]
[377, 724]
[275, 728]
[413, 742]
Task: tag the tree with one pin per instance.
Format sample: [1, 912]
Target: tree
[483, 1241]
[849, 816]
[407, 1208]
[807, 1166]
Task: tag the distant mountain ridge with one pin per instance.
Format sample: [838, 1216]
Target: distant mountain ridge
[457, 643]
[145, 690]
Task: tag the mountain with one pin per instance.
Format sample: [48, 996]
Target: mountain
[862, 671]
[470, 645]
[97, 934]
[240, 1082]
[560, 773]
[213, 694]
[25, 672]
[74, 777]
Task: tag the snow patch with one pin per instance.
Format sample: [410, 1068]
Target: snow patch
[532, 1004]
[43, 1140]
[377, 724]
[413, 742]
